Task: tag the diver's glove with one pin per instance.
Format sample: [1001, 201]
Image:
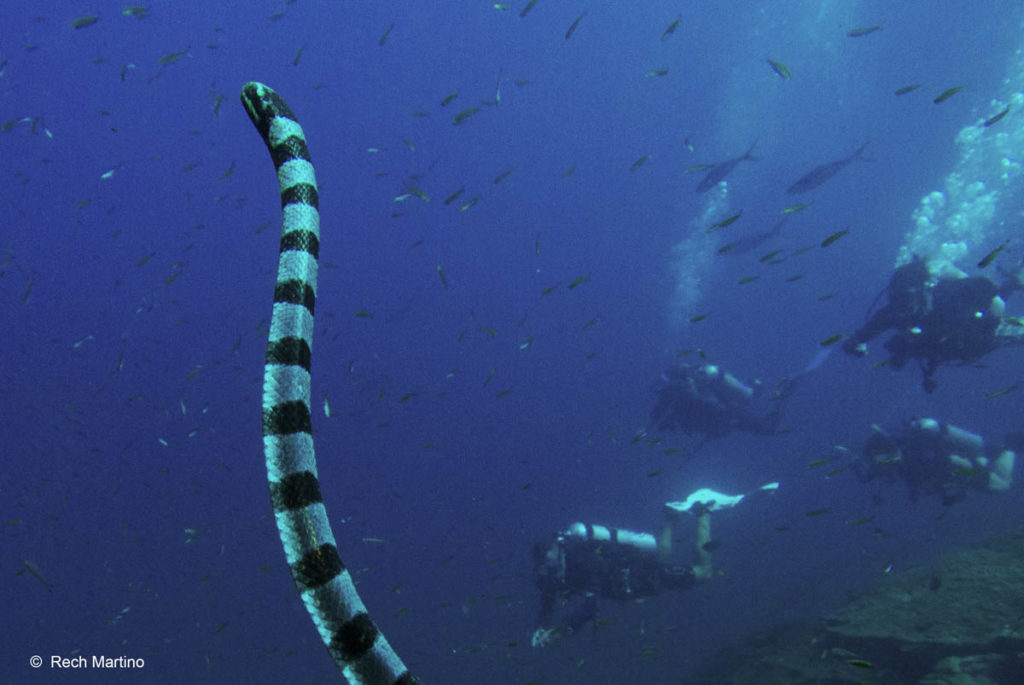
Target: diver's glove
[854, 348]
[542, 637]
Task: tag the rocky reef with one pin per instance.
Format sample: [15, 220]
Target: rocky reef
[957, 622]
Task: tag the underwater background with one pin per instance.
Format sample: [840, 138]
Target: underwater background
[469, 402]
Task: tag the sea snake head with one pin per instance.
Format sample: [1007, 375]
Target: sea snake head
[263, 104]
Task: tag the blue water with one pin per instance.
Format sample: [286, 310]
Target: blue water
[135, 310]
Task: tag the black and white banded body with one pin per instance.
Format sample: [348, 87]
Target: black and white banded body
[358, 648]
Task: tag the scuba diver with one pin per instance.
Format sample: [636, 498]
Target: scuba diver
[585, 563]
[707, 400]
[939, 316]
[934, 457]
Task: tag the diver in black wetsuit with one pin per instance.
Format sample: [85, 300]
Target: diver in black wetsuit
[709, 401]
[934, 457]
[586, 563]
[938, 320]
